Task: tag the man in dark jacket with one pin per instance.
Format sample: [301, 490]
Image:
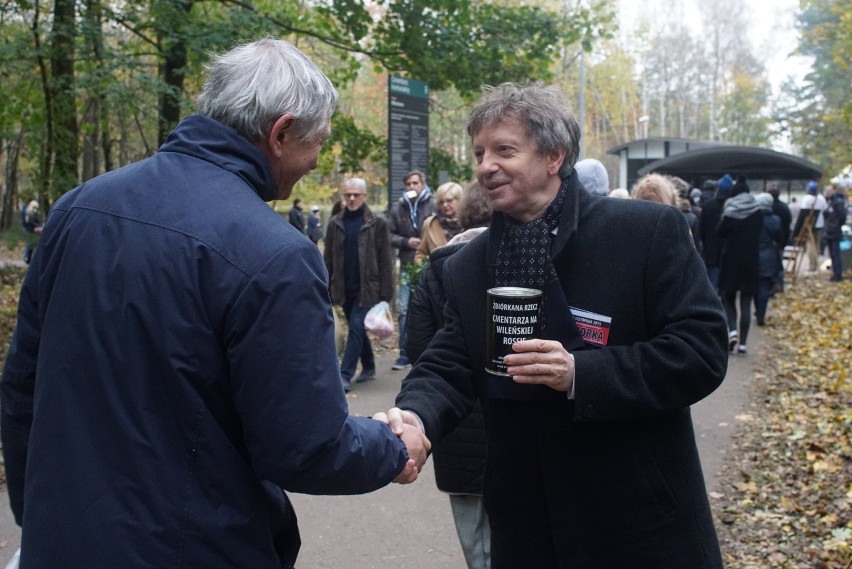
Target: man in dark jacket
[784, 214]
[592, 459]
[404, 222]
[711, 215]
[157, 399]
[358, 257]
[296, 217]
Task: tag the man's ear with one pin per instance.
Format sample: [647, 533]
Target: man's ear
[555, 163]
[281, 129]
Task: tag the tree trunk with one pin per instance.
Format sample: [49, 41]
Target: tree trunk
[64, 105]
[172, 18]
[45, 159]
[9, 215]
[91, 137]
[100, 141]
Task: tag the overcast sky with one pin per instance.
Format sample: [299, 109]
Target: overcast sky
[772, 24]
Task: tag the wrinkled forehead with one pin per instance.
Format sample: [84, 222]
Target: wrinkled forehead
[507, 129]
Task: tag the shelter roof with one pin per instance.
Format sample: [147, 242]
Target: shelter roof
[752, 162]
[688, 142]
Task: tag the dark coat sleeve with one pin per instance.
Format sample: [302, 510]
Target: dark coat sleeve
[17, 391]
[425, 310]
[385, 260]
[683, 356]
[442, 391]
[277, 392]
[398, 239]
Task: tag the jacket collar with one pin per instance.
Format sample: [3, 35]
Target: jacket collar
[208, 139]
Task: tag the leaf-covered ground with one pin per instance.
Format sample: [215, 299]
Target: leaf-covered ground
[787, 491]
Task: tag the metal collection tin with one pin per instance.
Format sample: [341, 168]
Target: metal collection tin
[514, 314]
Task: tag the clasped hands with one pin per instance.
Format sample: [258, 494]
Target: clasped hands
[406, 426]
[543, 362]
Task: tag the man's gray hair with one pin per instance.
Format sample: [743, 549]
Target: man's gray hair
[542, 109]
[251, 86]
[356, 182]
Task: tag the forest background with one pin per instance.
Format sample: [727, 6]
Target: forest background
[92, 85]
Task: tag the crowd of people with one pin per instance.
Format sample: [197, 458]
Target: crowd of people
[174, 368]
[741, 237]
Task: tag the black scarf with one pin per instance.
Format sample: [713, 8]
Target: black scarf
[450, 226]
[523, 259]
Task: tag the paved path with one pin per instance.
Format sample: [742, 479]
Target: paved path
[410, 527]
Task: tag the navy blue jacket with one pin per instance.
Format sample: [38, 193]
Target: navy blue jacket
[157, 397]
[611, 478]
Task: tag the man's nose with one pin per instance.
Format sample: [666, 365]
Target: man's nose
[486, 164]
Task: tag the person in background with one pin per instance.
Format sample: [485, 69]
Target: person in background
[592, 461]
[740, 227]
[708, 192]
[460, 458]
[314, 225]
[296, 217]
[358, 256]
[795, 208]
[785, 215]
[814, 200]
[681, 186]
[443, 225]
[592, 174]
[405, 219]
[173, 369]
[711, 215]
[695, 201]
[685, 207]
[835, 217]
[619, 193]
[782, 210]
[770, 244]
[31, 221]
[660, 189]
[655, 188]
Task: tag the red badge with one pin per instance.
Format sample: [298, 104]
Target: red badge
[594, 328]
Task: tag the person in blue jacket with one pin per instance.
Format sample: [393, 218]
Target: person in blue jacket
[157, 401]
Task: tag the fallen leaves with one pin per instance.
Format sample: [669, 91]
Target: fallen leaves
[788, 497]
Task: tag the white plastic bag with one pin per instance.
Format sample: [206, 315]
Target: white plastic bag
[379, 321]
[13, 563]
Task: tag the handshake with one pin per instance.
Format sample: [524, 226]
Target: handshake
[408, 428]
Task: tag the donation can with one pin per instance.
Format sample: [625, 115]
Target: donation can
[514, 314]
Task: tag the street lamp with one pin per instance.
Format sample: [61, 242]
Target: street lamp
[643, 120]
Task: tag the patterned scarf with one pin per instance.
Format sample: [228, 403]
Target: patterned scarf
[523, 258]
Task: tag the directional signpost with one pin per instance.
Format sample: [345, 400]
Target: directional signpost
[408, 131]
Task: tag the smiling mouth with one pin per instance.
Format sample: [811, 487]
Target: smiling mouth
[495, 185]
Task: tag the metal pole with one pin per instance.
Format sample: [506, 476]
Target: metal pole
[582, 105]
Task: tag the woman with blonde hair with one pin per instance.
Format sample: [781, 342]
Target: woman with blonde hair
[655, 188]
[442, 226]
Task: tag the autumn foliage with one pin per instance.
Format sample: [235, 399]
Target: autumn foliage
[784, 500]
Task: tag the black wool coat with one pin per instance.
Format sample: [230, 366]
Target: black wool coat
[459, 458]
[738, 267]
[611, 478]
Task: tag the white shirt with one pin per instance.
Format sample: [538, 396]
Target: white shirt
[818, 203]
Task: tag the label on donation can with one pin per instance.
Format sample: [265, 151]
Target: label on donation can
[513, 315]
